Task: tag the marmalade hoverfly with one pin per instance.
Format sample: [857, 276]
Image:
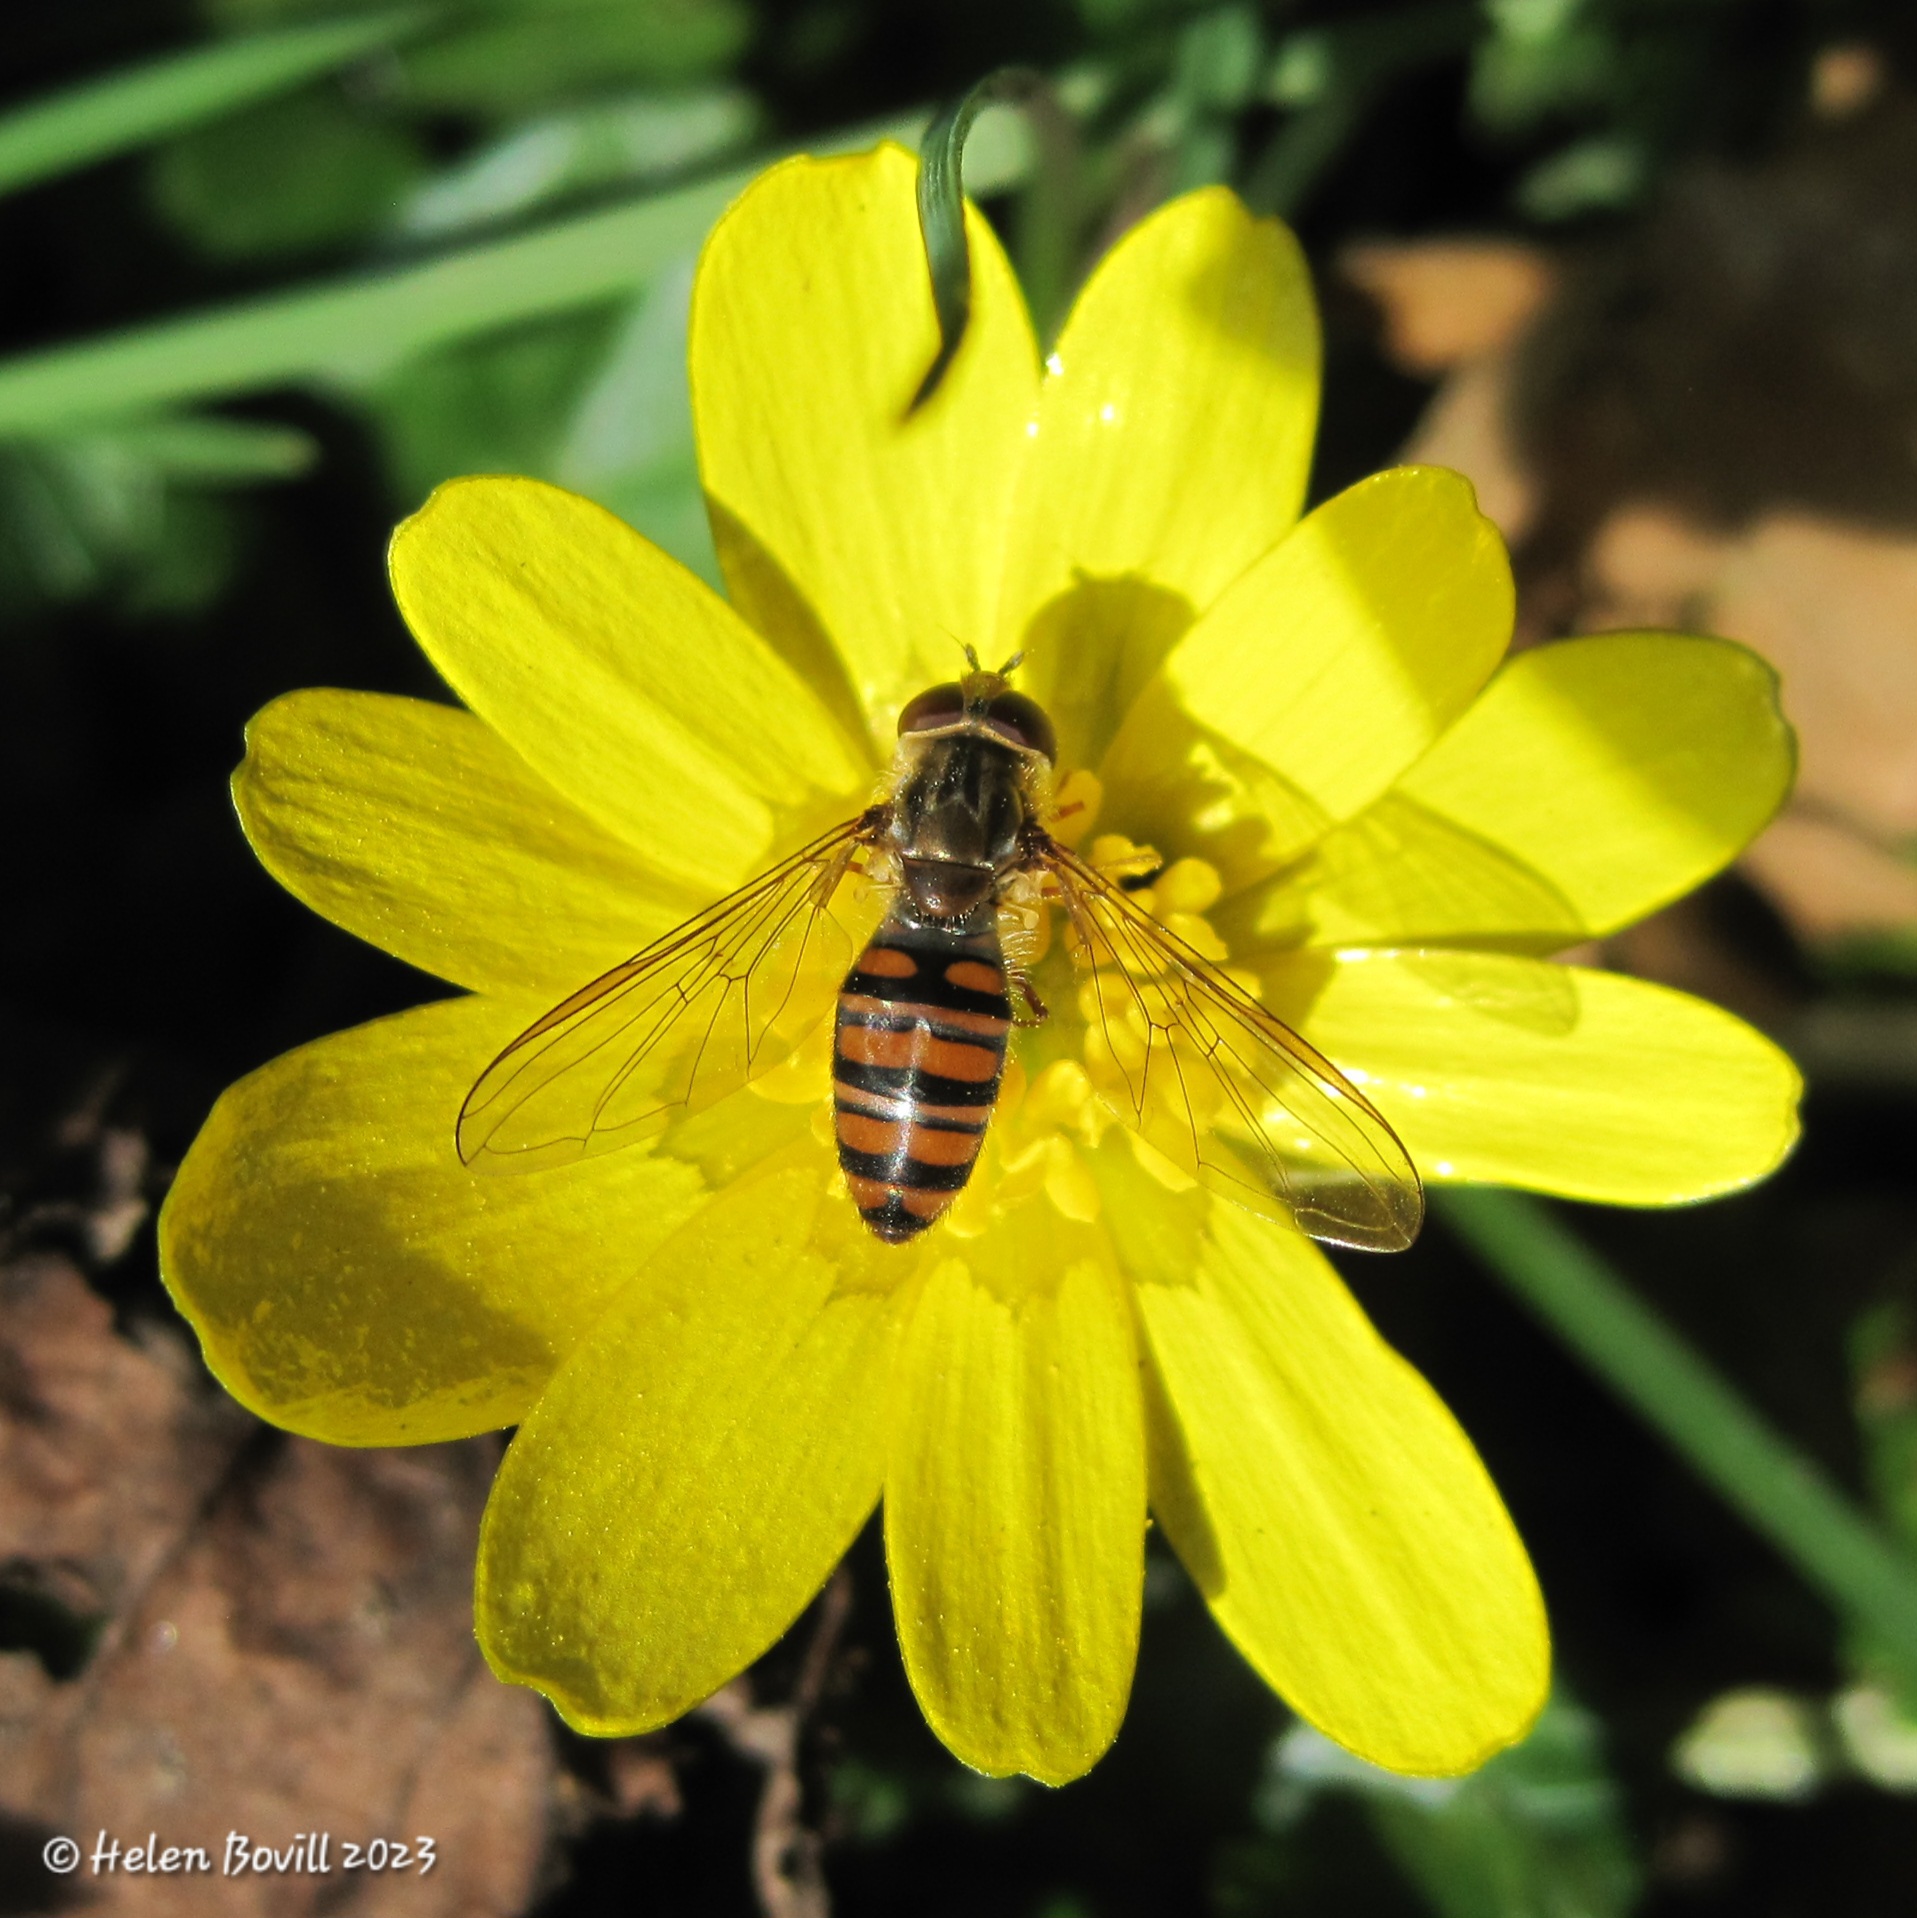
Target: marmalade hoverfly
[1188, 1059]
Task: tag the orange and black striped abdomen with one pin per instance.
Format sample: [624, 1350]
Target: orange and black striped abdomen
[916, 1062]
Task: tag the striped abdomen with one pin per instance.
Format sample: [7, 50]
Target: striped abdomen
[916, 1061]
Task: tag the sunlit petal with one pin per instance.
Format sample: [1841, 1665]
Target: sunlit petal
[1594, 781]
[1015, 1497]
[1335, 1517]
[350, 1279]
[844, 519]
[1512, 1071]
[1319, 677]
[416, 827]
[620, 676]
[692, 1476]
[1173, 444]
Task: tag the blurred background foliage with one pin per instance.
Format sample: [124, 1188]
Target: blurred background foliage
[379, 138]
[277, 267]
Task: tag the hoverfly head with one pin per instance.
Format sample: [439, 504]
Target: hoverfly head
[983, 702]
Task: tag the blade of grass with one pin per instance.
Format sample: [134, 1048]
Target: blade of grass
[948, 257]
[1780, 1492]
[101, 118]
[349, 331]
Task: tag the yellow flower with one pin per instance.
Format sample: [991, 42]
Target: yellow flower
[716, 1371]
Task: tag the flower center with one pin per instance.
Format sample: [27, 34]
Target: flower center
[1050, 1114]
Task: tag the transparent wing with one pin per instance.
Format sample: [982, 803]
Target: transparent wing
[1226, 1092]
[698, 1014]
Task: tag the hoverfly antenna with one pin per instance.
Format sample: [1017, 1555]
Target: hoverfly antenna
[1012, 664]
[971, 653]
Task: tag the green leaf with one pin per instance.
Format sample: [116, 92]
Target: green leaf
[289, 177]
[1883, 1363]
[1303, 151]
[1537, 1833]
[632, 141]
[596, 401]
[1835, 1548]
[1876, 1732]
[494, 404]
[534, 53]
[128, 110]
[243, 15]
[1883, 1357]
[1334, 78]
[629, 442]
[207, 450]
[1850, 958]
[349, 332]
[1518, 84]
[1302, 70]
[1215, 67]
[1598, 175]
[1757, 1742]
[100, 515]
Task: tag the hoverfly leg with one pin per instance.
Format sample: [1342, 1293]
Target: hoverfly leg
[1022, 931]
[1035, 1007]
[848, 858]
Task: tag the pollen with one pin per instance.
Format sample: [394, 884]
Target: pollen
[1041, 1152]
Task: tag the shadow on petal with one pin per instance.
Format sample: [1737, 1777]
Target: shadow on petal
[1092, 649]
[771, 603]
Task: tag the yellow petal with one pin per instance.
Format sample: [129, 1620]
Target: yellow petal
[1402, 874]
[696, 1470]
[1512, 1071]
[837, 512]
[1627, 767]
[1015, 1498]
[1591, 783]
[620, 677]
[416, 827]
[1173, 445]
[350, 1279]
[1321, 675]
[1335, 1517]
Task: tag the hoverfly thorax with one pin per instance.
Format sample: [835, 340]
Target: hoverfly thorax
[971, 754]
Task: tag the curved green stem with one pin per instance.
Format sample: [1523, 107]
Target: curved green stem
[948, 257]
[1784, 1495]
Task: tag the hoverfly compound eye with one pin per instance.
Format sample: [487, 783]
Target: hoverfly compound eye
[1021, 722]
[935, 710]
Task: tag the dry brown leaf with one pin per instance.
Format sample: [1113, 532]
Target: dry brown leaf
[1460, 308]
[286, 1645]
[641, 1779]
[1845, 79]
[1466, 427]
[1831, 883]
[1449, 301]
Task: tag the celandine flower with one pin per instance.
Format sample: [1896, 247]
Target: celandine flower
[716, 1370]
